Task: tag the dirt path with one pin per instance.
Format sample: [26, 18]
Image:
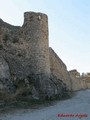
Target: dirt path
[75, 109]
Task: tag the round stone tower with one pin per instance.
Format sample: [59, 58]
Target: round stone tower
[35, 31]
[36, 35]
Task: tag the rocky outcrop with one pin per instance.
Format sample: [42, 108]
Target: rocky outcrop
[6, 85]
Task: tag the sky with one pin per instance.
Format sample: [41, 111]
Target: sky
[69, 26]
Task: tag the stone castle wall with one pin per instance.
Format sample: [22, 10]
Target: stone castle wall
[86, 78]
[77, 82]
[25, 50]
[58, 68]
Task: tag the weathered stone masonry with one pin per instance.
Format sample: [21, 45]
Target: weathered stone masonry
[35, 31]
[28, 57]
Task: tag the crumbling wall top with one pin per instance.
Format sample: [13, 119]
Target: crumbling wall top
[34, 16]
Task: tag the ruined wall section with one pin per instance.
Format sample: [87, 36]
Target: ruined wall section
[77, 82]
[11, 48]
[58, 68]
[7, 33]
[86, 78]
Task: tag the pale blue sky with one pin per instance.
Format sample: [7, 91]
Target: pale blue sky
[69, 26]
